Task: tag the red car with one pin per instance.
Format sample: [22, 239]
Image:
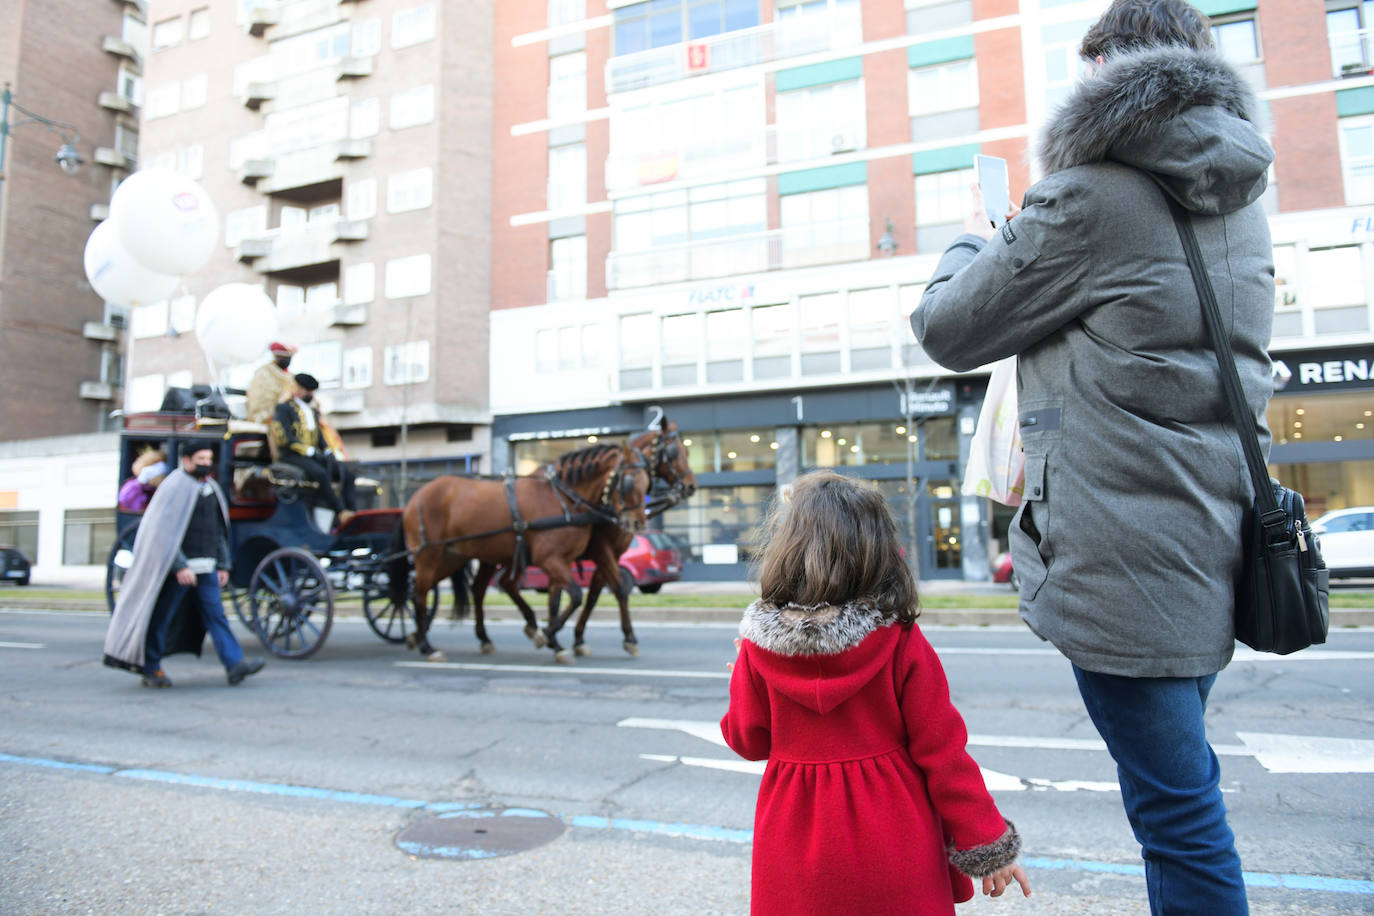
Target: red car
[651, 559]
[1002, 571]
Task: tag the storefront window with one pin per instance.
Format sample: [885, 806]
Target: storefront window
[731, 450]
[853, 444]
[20, 530]
[87, 535]
[533, 455]
[718, 525]
[939, 441]
[1334, 417]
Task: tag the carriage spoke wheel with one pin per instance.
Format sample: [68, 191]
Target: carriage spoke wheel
[388, 621]
[117, 565]
[292, 603]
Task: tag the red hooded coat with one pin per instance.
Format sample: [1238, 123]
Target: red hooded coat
[869, 799]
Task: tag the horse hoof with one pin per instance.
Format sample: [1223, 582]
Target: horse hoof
[540, 640]
[410, 640]
[632, 648]
[562, 657]
[436, 656]
[530, 632]
[488, 648]
[581, 650]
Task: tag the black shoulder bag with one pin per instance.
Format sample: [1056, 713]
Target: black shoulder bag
[1282, 595]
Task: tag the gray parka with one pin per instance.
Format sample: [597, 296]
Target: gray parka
[1128, 542]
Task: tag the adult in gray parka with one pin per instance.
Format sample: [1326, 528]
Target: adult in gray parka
[1128, 542]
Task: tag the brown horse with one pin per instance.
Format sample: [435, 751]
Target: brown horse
[668, 464]
[451, 520]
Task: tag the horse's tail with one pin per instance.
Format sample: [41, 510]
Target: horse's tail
[398, 566]
[461, 586]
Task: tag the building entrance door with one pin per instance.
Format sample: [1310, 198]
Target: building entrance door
[942, 538]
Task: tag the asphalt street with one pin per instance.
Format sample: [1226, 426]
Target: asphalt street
[304, 789]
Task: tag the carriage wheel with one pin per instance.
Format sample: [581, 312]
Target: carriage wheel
[239, 599]
[292, 603]
[388, 621]
[120, 559]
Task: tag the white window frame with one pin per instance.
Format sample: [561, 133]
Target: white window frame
[360, 198]
[957, 87]
[412, 189]
[567, 85]
[411, 107]
[414, 26]
[168, 33]
[198, 24]
[809, 120]
[162, 100]
[567, 187]
[360, 283]
[951, 193]
[406, 363]
[408, 276]
[357, 368]
[568, 268]
[1352, 195]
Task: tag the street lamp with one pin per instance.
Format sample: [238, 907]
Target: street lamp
[67, 157]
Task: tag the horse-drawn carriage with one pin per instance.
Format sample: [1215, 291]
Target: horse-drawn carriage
[289, 563]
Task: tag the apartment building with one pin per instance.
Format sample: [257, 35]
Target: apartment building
[76, 63]
[347, 147]
[721, 212]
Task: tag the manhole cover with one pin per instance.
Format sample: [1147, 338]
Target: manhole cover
[481, 833]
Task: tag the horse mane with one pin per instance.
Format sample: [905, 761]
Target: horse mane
[585, 463]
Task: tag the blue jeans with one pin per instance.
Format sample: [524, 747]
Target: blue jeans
[1171, 787]
[211, 614]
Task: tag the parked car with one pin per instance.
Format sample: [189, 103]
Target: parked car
[1002, 571]
[1347, 541]
[14, 567]
[651, 559]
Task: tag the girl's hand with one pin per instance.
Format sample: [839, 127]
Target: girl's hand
[995, 884]
[976, 220]
[731, 665]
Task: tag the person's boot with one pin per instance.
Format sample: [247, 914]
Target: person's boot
[244, 668]
[157, 679]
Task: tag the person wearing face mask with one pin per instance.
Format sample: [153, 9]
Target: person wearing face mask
[182, 544]
[271, 384]
[298, 432]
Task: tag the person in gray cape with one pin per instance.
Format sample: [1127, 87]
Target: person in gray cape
[1128, 541]
[182, 544]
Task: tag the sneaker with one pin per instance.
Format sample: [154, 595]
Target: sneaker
[241, 670]
[157, 679]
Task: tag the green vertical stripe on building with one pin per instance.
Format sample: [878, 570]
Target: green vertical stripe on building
[1223, 7]
[1354, 101]
[832, 71]
[944, 160]
[938, 52]
[830, 176]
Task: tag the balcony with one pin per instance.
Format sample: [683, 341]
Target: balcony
[256, 93]
[831, 242]
[113, 44]
[348, 315]
[1352, 53]
[790, 37]
[352, 68]
[261, 18]
[254, 170]
[301, 248]
[114, 158]
[298, 174]
[97, 391]
[139, 5]
[97, 330]
[100, 212]
[113, 101]
[345, 401]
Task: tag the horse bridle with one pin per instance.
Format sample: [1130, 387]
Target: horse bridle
[666, 448]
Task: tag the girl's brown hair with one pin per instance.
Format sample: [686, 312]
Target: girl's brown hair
[834, 541]
[1128, 25]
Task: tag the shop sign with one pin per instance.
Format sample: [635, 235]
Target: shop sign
[731, 294]
[561, 433]
[936, 402]
[1325, 370]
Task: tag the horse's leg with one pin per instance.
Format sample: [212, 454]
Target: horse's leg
[593, 592]
[560, 577]
[426, 577]
[512, 588]
[479, 593]
[623, 586]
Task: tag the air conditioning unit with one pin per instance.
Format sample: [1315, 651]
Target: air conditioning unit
[844, 143]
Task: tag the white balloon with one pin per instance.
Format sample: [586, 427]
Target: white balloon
[117, 277]
[235, 323]
[165, 220]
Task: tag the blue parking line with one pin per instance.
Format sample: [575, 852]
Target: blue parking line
[631, 825]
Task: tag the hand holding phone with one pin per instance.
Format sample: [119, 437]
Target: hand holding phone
[993, 181]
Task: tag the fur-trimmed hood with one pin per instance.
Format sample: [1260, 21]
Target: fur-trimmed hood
[1184, 116]
[819, 656]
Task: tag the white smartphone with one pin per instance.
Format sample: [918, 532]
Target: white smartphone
[991, 174]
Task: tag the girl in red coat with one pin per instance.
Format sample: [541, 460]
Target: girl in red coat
[870, 803]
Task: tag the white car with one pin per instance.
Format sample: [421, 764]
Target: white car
[1347, 541]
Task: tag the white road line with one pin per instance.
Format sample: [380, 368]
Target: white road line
[567, 669]
[22, 645]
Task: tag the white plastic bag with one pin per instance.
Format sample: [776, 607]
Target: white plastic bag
[996, 464]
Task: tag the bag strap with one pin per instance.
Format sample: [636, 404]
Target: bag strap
[1271, 516]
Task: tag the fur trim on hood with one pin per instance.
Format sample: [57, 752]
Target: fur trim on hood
[822, 629]
[1132, 96]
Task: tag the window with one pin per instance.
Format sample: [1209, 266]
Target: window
[681, 339]
[87, 536]
[1285, 276]
[567, 85]
[545, 350]
[820, 323]
[943, 87]
[1357, 158]
[591, 346]
[412, 190]
[637, 340]
[822, 227]
[360, 283]
[144, 392]
[181, 316]
[871, 323]
[1062, 64]
[1236, 38]
[568, 268]
[165, 160]
[815, 25]
[20, 529]
[772, 330]
[726, 335]
[1348, 30]
[361, 198]
[942, 197]
[562, 12]
[408, 276]
[407, 363]
[367, 38]
[308, 51]
[820, 121]
[658, 23]
[306, 126]
[191, 162]
[323, 359]
[412, 106]
[130, 85]
[167, 33]
[321, 297]
[413, 26]
[149, 320]
[248, 223]
[135, 32]
[162, 101]
[126, 140]
[290, 299]
[1333, 277]
[357, 367]
[567, 176]
[199, 24]
[365, 118]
